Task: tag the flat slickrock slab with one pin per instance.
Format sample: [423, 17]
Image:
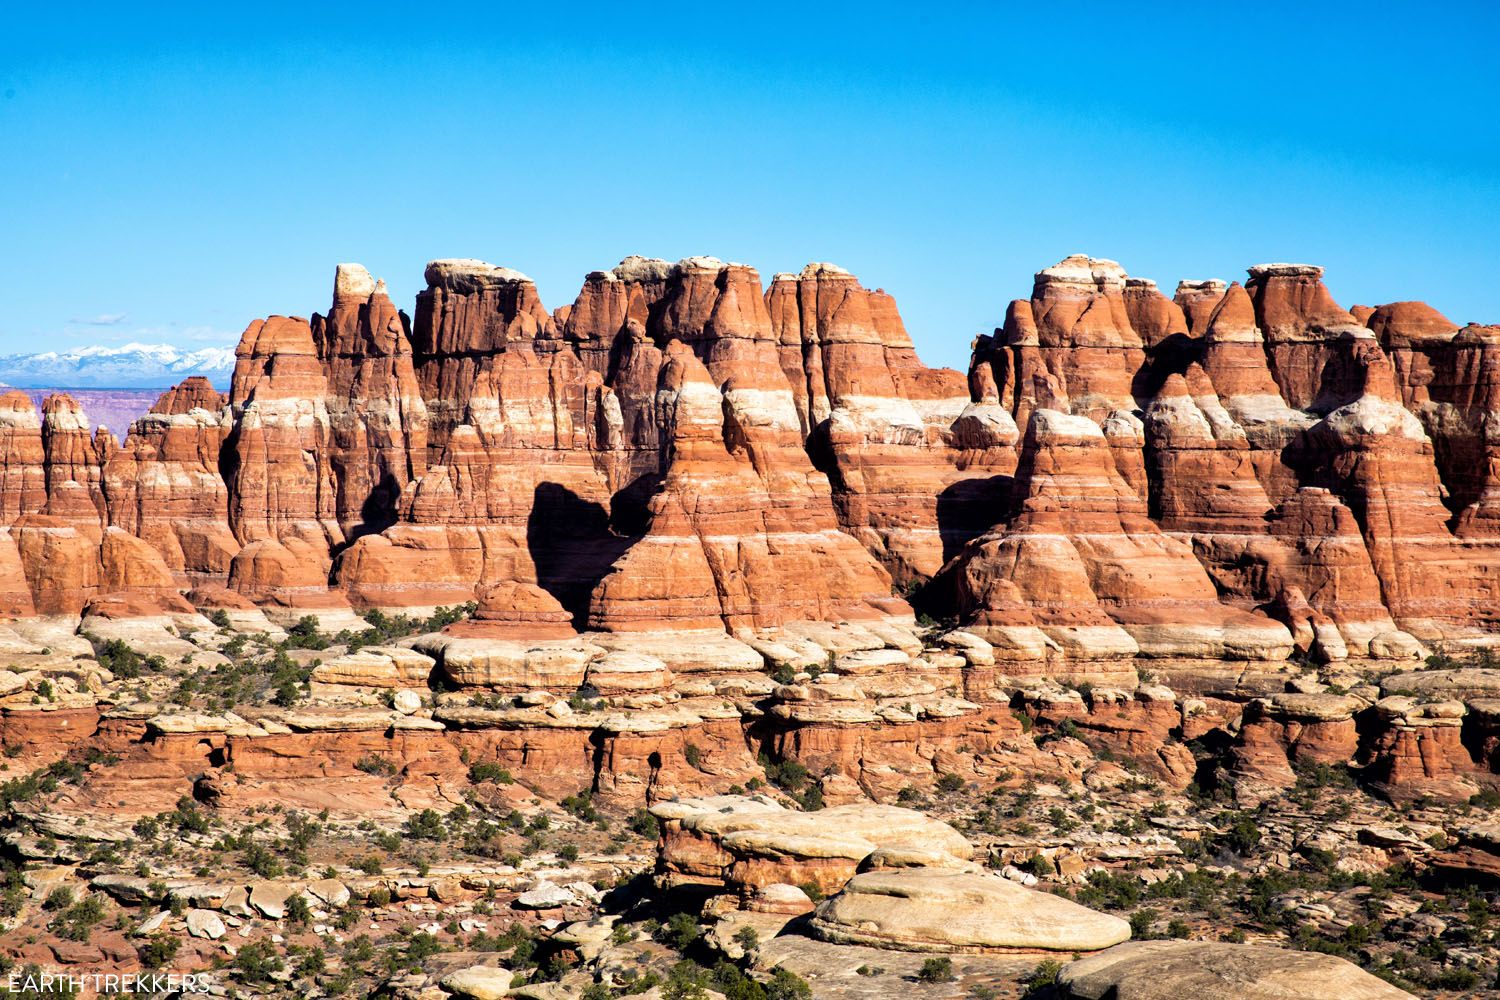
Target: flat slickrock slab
[1210, 970]
[940, 910]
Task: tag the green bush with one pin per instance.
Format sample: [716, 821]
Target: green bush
[786, 985]
[1038, 865]
[426, 825]
[375, 764]
[260, 860]
[1487, 798]
[686, 981]
[297, 910]
[76, 922]
[488, 772]
[936, 970]
[256, 962]
[158, 951]
[305, 635]
[680, 931]
[581, 805]
[645, 824]
[1044, 974]
[1243, 833]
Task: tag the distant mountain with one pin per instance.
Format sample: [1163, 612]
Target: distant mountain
[133, 366]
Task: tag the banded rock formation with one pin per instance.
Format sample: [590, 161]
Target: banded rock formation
[1204, 484]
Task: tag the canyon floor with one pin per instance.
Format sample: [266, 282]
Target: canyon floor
[244, 805]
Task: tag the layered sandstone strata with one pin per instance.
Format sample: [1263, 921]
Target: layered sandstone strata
[1308, 335]
[165, 486]
[684, 450]
[913, 460]
[1085, 563]
[736, 538]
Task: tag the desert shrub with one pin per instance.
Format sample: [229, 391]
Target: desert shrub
[76, 922]
[645, 824]
[256, 962]
[426, 825]
[158, 951]
[936, 970]
[680, 931]
[372, 763]
[1140, 923]
[488, 772]
[305, 635]
[1043, 974]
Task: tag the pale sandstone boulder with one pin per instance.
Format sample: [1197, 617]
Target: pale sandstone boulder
[1205, 970]
[748, 843]
[976, 651]
[836, 637]
[781, 898]
[692, 652]
[783, 650]
[153, 635]
[152, 924]
[479, 982]
[927, 909]
[621, 672]
[205, 924]
[510, 664]
[376, 666]
[1463, 684]
[330, 891]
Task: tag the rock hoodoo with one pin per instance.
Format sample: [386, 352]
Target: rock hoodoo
[1119, 476]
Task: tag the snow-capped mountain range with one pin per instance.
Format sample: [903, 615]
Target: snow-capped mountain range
[132, 366]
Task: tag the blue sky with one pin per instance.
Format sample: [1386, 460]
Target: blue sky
[171, 175]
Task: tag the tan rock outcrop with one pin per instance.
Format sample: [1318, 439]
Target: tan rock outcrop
[746, 844]
[1205, 970]
[1419, 751]
[938, 910]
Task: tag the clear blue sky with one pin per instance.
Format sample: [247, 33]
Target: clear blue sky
[171, 175]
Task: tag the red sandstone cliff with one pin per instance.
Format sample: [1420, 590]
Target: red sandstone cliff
[1200, 477]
